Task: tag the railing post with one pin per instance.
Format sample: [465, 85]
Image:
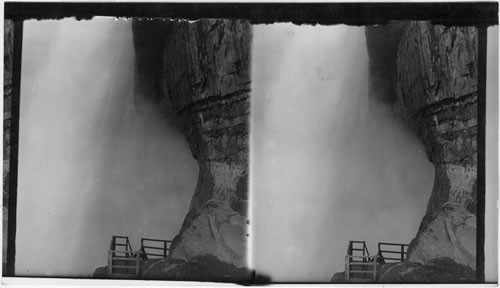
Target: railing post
[137, 262]
[165, 249]
[347, 272]
[402, 253]
[110, 262]
[375, 268]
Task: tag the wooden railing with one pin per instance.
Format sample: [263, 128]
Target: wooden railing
[120, 242]
[361, 267]
[361, 246]
[359, 264]
[396, 253]
[123, 262]
[155, 248]
[123, 265]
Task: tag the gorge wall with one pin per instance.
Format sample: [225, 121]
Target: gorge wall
[198, 74]
[8, 54]
[428, 75]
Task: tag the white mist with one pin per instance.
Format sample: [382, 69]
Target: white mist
[91, 166]
[327, 168]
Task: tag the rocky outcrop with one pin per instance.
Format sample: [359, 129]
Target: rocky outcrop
[448, 232]
[8, 53]
[198, 74]
[198, 268]
[433, 88]
[338, 277]
[434, 83]
[437, 89]
[437, 270]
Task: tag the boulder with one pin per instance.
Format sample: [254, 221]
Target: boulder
[437, 270]
[448, 232]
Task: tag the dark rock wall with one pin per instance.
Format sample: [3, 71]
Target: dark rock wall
[8, 52]
[433, 88]
[437, 270]
[198, 73]
[437, 86]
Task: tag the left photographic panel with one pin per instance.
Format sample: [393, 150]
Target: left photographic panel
[133, 149]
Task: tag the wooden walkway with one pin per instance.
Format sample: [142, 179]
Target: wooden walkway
[360, 266]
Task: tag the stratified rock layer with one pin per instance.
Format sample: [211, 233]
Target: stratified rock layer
[437, 89]
[433, 88]
[198, 74]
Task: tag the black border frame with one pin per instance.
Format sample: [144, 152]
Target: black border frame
[478, 14]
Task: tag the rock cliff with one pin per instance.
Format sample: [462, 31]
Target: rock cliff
[198, 74]
[436, 270]
[8, 54]
[428, 74]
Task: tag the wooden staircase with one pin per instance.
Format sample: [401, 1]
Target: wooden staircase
[360, 266]
[123, 262]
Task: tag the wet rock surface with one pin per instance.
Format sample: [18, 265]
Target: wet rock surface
[437, 90]
[8, 57]
[198, 268]
[198, 75]
[448, 232]
[338, 277]
[437, 270]
[431, 83]
[434, 82]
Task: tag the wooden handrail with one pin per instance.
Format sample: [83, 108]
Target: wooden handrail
[401, 251]
[165, 247]
[352, 248]
[366, 261]
[129, 259]
[121, 250]
[135, 265]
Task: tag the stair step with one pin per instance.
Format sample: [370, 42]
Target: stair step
[361, 271]
[362, 280]
[124, 266]
[122, 275]
[124, 258]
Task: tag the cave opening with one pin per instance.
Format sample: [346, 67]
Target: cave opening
[91, 165]
[339, 164]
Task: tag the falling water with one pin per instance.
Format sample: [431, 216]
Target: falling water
[91, 166]
[327, 166]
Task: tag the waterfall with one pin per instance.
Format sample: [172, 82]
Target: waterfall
[90, 164]
[328, 164]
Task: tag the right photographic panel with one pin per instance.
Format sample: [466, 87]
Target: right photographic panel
[365, 149]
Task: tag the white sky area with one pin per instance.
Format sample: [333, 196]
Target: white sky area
[91, 166]
[491, 158]
[327, 168]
